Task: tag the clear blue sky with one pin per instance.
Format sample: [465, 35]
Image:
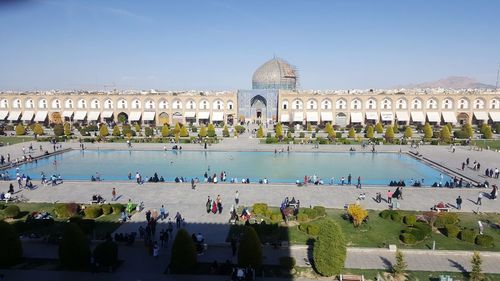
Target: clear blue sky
[209, 44]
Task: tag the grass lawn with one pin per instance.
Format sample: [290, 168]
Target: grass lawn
[493, 144]
[379, 232]
[14, 140]
[103, 224]
[371, 274]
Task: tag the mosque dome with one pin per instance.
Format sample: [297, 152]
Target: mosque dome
[275, 74]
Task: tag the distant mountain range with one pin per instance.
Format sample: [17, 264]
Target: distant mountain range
[453, 82]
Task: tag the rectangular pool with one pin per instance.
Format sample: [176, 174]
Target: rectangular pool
[373, 168]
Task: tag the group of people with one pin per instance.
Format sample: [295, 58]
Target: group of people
[7, 196]
[492, 173]
[213, 178]
[214, 206]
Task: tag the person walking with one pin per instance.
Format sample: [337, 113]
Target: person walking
[459, 202]
[113, 194]
[479, 198]
[389, 196]
[193, 186]
[178, 220]
[237, 198]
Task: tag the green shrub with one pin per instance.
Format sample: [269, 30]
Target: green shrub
[408, 238]
[467, 235]
[410, 219]
[320, 211]
[484, 240]
[287, 262]
[250, 249]
[106, 253]
[312, 229]
[93, 212]
[11, 212]
[260, 208]
[302, 217]
[74, 251]
[425, 228]
[451, 230]
[12, 249]
[2, 206]
[117, 208]
[66, 210]
[386, 214]
[184, 256]
[107, 209]
[313, 213]
[20, 131]
[329, 250]
[445, 218]
[396, 216]
[276, 217]
[303, 227]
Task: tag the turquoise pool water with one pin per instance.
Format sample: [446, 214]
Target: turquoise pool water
[378, 168]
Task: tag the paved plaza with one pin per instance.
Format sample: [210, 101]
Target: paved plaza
[179, 197]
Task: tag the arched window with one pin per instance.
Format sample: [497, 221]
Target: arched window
[386, 104]
[29, 104]
[230, 105]
[371, 104]
[479, 104]
[447, 104]
[401, 104]
[81, 103]
[163, 104]
[432, 104]
[136, 104]
[416, 104]
[56, 104]
[95, 104]
[191, 104]
[4, 103]
[297, 104]
[312, 104]
[355, 104]
[341, 104]
[495, 104]
[326, 104]
[122, 104]
[177, 104]
[16, 103]
[204, 104]
[108, 104]
[463, 104]
[150, 104]
[284, 104]
[42, 103]
[218, 105]
[68, 104]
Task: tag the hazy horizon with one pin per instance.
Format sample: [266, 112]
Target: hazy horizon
[217, 45]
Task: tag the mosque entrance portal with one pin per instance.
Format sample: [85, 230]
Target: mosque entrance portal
[258, 108]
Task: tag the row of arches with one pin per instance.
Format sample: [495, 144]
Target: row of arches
[387, 103]
[119, 104]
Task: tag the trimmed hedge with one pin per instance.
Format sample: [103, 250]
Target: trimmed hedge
[74, 250]
[250, 249]
[302, 217]
[396, 216]
[484, 241]
[260, 208]
[287, 262]
[451, 230]
[276, 217]
[408, 238]
[467, 235]
[93, 212]
[12, 249]
[66, 210]
[329, 250]
[443, 219]
[106, 209]
[410, 219]
[312, 229]
[11, 212]
[184, 256]
[106, 253]
[313, 213]
[117, 208]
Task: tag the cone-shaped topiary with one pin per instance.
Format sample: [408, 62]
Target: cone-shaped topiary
[12, 249]
[183, 258]
[74, 251]
[250, 249]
